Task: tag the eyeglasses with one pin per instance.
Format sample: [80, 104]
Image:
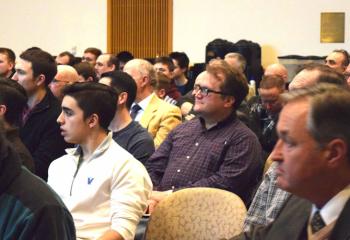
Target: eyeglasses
[58, 81]
[205, 91]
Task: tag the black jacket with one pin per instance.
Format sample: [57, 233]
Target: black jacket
[41, 134]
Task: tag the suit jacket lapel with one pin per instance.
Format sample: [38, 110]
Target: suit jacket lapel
[341, 229]
[149, 111]
[292, 220]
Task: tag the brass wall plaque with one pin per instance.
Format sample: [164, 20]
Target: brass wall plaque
[332, 27]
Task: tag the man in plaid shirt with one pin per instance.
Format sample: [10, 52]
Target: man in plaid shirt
[214, 150]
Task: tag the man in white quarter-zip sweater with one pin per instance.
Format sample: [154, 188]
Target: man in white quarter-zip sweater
[105, 188]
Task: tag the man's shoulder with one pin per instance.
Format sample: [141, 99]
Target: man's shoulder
[115, 154]
[32, 193]
[164, 106]
[135, 129]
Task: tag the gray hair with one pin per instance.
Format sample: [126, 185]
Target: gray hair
[144, 67]
[329, 114]
[241, 59]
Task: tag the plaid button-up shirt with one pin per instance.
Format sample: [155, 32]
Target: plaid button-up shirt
[226, 156]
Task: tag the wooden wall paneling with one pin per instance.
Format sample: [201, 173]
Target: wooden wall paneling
[143, 27]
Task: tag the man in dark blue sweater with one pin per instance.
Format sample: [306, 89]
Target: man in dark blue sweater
[129, 134]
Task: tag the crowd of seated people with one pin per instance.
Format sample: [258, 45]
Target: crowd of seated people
[114, 135]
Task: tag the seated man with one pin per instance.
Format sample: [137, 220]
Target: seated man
[123, 57]
[65, 58]
[127, 133]
[269, 198]
[90, 55]
[29, 208]
[86, 72]
[104, 187]
[236, 60]
[166, 66]
[65, 75]
[338, 60]
[105, 63]
[181, 62]
[264, 110]
[13, 100]
[277, 69]
[7, 62]
[313, 163]
[40, 133]
[214, 150]
[161, 87]
[154, 114]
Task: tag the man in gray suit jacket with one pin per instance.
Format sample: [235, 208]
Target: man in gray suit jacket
[313, 156]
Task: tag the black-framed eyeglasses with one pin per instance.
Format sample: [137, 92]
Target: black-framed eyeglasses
[205, 91]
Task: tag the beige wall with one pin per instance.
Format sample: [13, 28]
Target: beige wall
[55, 26]
[280, 27]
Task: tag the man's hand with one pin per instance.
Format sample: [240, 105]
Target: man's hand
[156, 197]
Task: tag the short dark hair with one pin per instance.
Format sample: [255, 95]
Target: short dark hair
[166, 61]
[181, 58]
[42, 63]
[123, 82]
[124, 56]
[234, 83]
[326, 74]
[86, 70]
[94, 98]
[70, 56]
[272, 81]
[9, 53]
[97, 52]
[14, 97]
[162, 82]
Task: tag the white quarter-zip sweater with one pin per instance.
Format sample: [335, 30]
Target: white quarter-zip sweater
[109, 191]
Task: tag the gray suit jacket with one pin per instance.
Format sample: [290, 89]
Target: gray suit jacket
[291, 223]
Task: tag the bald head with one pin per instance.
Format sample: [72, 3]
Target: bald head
[278, 70]
[65, 75]
[304, 78]
[316, 73]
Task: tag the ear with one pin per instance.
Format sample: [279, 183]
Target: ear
[336, 152]
[93, 120]
[161, 93]
[229, 101]
[144, 81]
[122, 98]
[40, 80]
[11, 65]
[2, 110]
